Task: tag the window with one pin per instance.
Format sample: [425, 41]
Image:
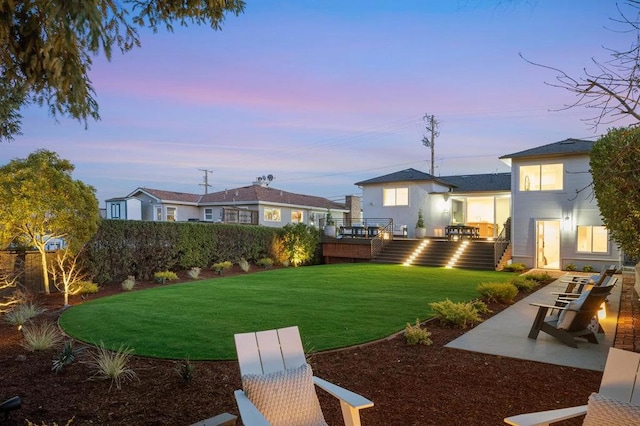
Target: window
[541, 177]
[171, 214]
[208, 215]
[593, 239]
[395, 197]
[158, 213]
[115, 211]
[272, 215]
[297, 216]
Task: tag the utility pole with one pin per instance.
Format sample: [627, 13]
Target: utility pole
[432, 127]
[206, 180]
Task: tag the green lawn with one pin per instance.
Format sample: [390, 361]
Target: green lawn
[334, 306]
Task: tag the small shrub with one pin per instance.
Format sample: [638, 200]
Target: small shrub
[163, 276]
[67, 355]
[570, 267]
[220, 267]
[87, 287]
[416, 335]
[185, 369]
[38, 337]
[265, 262]
[194, 273]
[498, 292]
[129, 283]
[112, 365]
[587, 268]
[524, 283]
[244, 265]
[481, 307]
[22, 313]
[540, 277]
[514, 267]
[461, 315]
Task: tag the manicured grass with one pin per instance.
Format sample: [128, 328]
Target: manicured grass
[334, 306]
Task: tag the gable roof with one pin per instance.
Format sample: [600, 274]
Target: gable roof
[248, 194]
[161, 195]
[267, 194]
[481, 182]
[407, 175]
[565, 147]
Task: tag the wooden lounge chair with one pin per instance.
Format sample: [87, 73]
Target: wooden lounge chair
[576, 283]
[619, 392]
[574, 319]
[277, 378]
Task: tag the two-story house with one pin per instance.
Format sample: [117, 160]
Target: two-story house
[257, 204]
[555, 216]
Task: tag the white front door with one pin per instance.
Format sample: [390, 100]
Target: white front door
[548, 244]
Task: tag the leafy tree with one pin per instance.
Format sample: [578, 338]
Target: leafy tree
[46, 47]
[616, 178]
[41, 202]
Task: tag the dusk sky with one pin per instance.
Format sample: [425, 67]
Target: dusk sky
[323, 94]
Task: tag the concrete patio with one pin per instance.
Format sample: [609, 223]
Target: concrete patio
[505, 334]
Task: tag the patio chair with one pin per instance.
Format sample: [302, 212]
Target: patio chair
[617, 400]
[574, 319]
[576, 283]
[278, 385]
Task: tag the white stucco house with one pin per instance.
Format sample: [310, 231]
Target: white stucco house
[555, 216]
[256, 204]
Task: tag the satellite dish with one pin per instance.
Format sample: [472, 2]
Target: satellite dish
[270, 178]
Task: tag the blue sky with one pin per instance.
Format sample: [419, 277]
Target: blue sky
[325, 94]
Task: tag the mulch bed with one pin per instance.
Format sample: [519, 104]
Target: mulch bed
[410, 385]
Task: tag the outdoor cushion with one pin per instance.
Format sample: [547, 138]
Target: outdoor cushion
[567, 315]
[602, 410]
[285, 398]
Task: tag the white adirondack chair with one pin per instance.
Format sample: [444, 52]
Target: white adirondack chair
[271, 351]
[620, 381]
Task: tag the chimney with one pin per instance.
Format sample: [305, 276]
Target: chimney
[353, 204]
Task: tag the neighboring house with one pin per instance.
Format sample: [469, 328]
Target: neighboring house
[556, 219]
[476, 200]
[256, 204]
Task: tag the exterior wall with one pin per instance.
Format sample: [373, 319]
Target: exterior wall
[568, 206]
[134, 209]
[372, 203]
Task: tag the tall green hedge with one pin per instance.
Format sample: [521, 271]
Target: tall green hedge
[121, 248]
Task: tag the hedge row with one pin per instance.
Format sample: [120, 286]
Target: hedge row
[121, 248]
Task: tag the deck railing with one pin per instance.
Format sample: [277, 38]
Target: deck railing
[502, 242]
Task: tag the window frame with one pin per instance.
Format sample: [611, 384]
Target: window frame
[115, 210]
[590, 235]
[269, 216]
[300, 214]
[536, 171]
[386, 200]
[208, 211]
[171, 212]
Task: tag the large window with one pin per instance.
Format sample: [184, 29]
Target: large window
[395, 196]
[272, 215]
[541, 177]
[171, 214]
[208, 214]
[297, 216]
[593, 239]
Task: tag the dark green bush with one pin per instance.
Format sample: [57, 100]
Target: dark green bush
[514, 267]
[524, 283]
[461, 315]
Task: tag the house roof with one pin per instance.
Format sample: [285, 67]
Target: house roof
[181, 197]
[565, 147]
[247, 194]
[481, 182]
[267, 194]
[460, 183]
[407, 175]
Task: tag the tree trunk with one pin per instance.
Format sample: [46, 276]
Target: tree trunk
[637, 283]
[45, 270]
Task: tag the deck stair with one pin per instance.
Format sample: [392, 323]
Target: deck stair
[476, 254]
